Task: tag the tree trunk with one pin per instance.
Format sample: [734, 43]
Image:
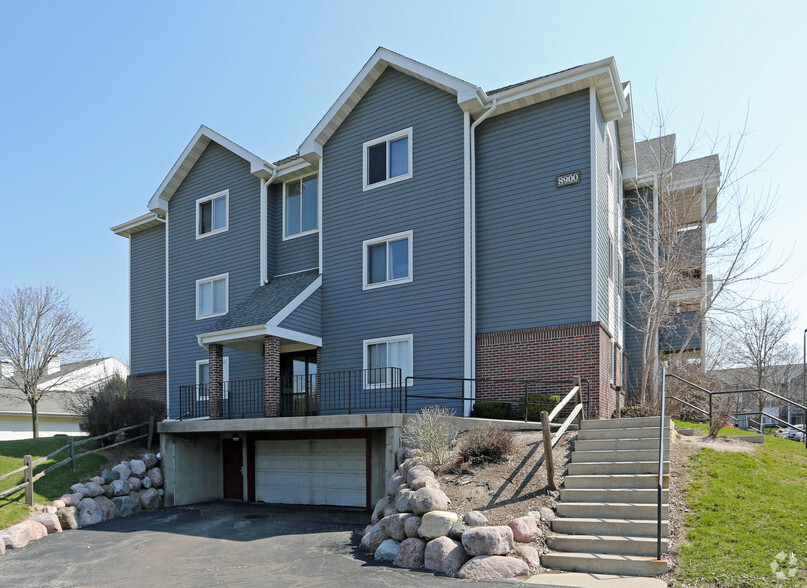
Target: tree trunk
[35, 419]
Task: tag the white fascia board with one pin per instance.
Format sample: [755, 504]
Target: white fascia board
[361, 83]
[141, 223]
[295, 169]
[230, 334]
[284, 313]
[627, 138]
[189, 156]
[294, 336]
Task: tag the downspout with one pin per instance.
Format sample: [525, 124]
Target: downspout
[265, 221]
[470, 291]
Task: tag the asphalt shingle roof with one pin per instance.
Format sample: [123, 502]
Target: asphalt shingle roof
[266, 301]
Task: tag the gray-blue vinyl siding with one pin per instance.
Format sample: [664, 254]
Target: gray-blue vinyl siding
[235, 251]
[634, 316]
[307, 318]
[430, 204]
[147, 301]
[677, 336]
[292, 255]
[533, 248]
[601, 158]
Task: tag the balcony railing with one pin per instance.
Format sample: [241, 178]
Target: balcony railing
[241, 399]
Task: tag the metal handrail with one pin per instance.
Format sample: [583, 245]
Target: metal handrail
[661, 459]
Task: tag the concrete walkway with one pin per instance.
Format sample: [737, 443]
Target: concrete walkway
[577, 580]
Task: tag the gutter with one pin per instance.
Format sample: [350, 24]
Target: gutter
[264, 246]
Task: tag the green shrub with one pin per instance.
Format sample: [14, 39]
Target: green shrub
[486, 443]
[630, 412]
[433, 431]
[491, 409]
[538, 403]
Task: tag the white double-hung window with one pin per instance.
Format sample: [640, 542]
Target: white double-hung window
[387, 159]
[384, 353]
[211, 214]
[300, 207]
[387, 260]
[211, 296]
[203, 378]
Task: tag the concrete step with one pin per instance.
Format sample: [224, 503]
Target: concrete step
[611, 510]
[614, 544]
[604, 563]
[618, 455]
[616, 467]
[623, 423]
[640, 495]
[615, 481]
[609, 526]
[623, 443]
[629, 433]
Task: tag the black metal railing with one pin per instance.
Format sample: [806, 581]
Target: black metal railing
[241, 399]
[369, 390]
[194, 401]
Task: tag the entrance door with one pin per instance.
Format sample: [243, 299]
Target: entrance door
[298, 383]
[232, 457]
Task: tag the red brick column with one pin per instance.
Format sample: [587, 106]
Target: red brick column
[271, 376]
[216, 388]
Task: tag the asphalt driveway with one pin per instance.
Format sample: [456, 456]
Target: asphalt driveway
[208, 544]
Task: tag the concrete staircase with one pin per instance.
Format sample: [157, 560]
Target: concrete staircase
[607, 515]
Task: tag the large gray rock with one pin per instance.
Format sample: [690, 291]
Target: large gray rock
[373, 537]
[436, 523]
[387, 551]
[98, 480]
[456, 531]
[488, 540]
[411, 526]
[89, 513]
[410, 554]
[16, 536]
[149, 459]
[444, 555]
[403, 454]
[429, 499]
[380, 506]
[395, 483]
[409, 463]
[109, 475]
[108, 507]
[121, 487]
[146, 483]
[150, 499]
[57, 504]
[547, 514]
[402, 501]
[2, 548]
[424, 482]
[125, 505]
[525, 529]
[393, 526]
[124, 472]
[67, 499]
[418, 471]
[492, 567]
[138, 468]
[109, 491]
[529, 555]
[156, 477]
[475, 519]
[80, 489]
[68, 517]
[93, 489]
[134, 484]
[49, 521]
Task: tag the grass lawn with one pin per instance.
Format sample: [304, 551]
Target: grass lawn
[13, 508]
[744, 510]
[724, 432]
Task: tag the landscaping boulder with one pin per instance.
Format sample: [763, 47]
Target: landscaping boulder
[529, 554]
[403, 501]
[68, 517]
[156, 477]
[2, 548]
[429, 499]
[424, 482]
[488, 540]
[109, 492]
[149, 459]
[409, 463]
[492, 567]
[547, 514]
[393, 526]
[396, 480]
[410, 554]
[121, 487]
[403, 454]
[134, 484]
[380, 506]
[98, 480]
[138, 468]
[137, 507]
[93, 489]
[35, 529]
[411, 526]
[110, 511]
[150, 499]
[525, 529]
[419, 471]
[79, 489]
[475, 519]
[125, 505]
[67, 499]
[456, 531]
[146, 482]
[109, 475]
[373, 537]
[444, 555]
[89, 512]
[16, 536]
[124, 472]
[52, 509]
[436, 523]
[49, 521]
[387, 551]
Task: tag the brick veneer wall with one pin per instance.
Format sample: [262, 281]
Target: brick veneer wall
[271, 376]
[147, 386]
[547, 353]
[216, 379]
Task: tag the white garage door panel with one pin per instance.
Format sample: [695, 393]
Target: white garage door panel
[313, 471]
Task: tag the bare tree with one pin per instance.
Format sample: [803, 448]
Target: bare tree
[667, 247]
[37, 326]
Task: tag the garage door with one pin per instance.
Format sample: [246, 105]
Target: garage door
[312, 471]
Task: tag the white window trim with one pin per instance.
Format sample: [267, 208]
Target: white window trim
[394, 339]
[226, 277]
[365, 245]
[226, 227]
[225, 369]
[302, 233]
[386, 139]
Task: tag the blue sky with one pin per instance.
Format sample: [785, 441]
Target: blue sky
[99, 99]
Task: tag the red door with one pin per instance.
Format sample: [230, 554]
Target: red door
[233, 475]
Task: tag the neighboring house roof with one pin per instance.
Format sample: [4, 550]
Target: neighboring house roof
[655, 156]
[265, 302]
